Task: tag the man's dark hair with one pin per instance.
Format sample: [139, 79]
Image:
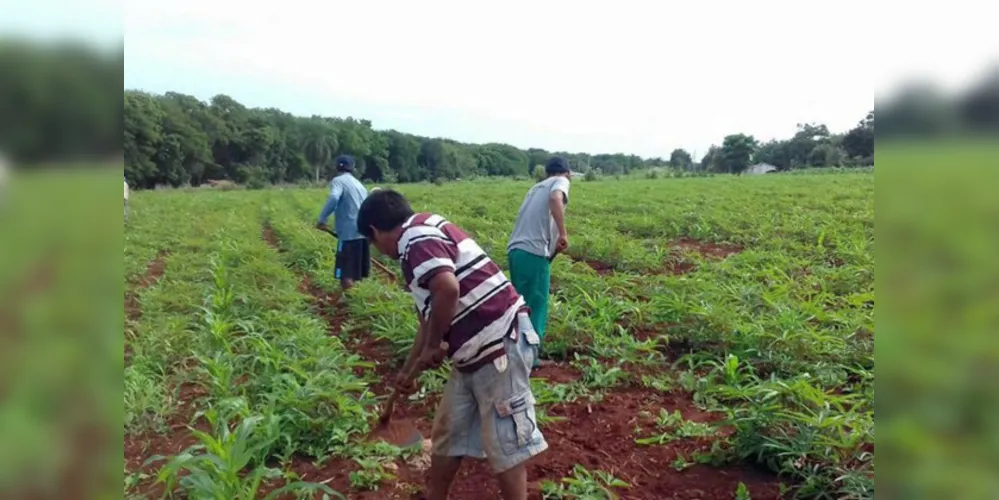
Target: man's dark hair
[384, 209]
[557, 165]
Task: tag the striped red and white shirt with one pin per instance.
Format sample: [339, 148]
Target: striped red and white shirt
[488, 303]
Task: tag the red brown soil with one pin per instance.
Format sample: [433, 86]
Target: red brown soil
[600, 436]
[407, 416]
[177, 438]
[602, 268]
[706, 248]
[133, 310]
[556, 373]
[35, 282]
[678, 265]
[647, 332]
[154, 271]
[330, 304]
[271, 238]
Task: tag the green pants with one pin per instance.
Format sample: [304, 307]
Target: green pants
[531, 275]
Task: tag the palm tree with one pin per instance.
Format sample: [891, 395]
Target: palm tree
[320, 143]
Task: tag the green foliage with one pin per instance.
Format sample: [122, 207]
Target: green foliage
[583, 484]
[814, 146]
[742, 492]
[681, 159]
[255, 178]
[736, 151]
[859, 141]
[776, 337]
[676, 428]
[216, 466]
[58, 100]
[539, 172]
[176, 140]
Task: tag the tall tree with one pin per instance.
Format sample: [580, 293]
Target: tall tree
[320, 142]
[859, 141]
[680, 158]
[736, 151]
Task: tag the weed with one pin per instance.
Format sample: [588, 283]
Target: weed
[583, 484]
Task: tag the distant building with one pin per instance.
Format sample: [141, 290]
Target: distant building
[760, 168]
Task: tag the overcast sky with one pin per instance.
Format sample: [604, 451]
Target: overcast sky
[639, 77]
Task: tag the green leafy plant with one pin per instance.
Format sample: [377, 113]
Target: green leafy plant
[214, 467]
[584, 484]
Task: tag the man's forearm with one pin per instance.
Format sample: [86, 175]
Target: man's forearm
[442, 310]
[328, 209]
[558, 213]
[414, 352]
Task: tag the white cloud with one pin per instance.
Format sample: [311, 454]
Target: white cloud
[632, 76]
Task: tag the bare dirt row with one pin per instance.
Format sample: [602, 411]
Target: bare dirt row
[598, 435]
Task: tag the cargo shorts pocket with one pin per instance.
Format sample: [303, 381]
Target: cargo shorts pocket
[516, 424]
[526, 328]
[531, 338]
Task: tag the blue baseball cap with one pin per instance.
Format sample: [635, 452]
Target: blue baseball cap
[345, 163]
[557, 165]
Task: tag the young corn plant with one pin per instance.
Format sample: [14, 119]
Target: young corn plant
[595, 485]
[597, 375]
[676, 428]
[229, 463]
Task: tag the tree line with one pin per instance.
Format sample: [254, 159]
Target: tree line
[176, 139]
[813, 145]
[59, 101]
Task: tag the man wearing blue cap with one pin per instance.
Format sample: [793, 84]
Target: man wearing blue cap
[538, 235]
[353, 257]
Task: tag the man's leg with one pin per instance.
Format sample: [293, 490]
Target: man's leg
[531, 277]
[347, 263]
[442, 472]
[457, 432]
[510, 431]
[513, 483]
[365, 258]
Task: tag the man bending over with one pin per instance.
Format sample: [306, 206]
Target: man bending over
[463, 299]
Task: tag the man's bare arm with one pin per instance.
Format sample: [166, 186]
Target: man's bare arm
[444, 304]
[418, 344]
[556, 203]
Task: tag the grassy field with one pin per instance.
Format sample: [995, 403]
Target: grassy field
[715, 339]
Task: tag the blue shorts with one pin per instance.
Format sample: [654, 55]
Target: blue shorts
[490, 413]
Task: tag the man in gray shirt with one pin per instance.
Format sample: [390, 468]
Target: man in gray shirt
[538, 235]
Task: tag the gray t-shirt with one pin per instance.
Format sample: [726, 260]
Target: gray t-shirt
[535, 230]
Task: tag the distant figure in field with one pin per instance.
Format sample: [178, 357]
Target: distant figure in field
[3, 177]
[126, 197]
[353, 256]
[538, 235]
